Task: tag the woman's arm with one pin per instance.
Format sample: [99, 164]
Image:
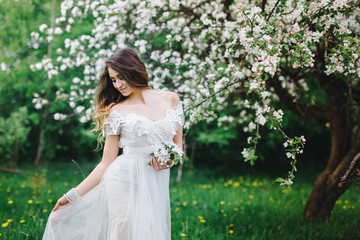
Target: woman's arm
[177, 138]
[179, 133]
[110, 152]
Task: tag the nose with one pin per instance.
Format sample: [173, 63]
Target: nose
[118, 83]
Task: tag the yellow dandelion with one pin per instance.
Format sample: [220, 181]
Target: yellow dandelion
[231, 231]
[5, 224]
[236, 209]
[251, 196]
[49, 191]
[230, 182]
[222, 202]
[184, 204]
[177, 209]
[30, 201]
[22, 221]
[10, 202]
[183, 234]
[222, 210]
[229, 203]
[236, 184]
[50, 200]
[225, 214]
[8, 189]
[344, 207]
[22, 185]
[255, 184]
[45, 210]
[194, 202]
[202, 221]
[9, 220]
[346, 201]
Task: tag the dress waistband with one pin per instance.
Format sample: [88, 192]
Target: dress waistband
[137, 151]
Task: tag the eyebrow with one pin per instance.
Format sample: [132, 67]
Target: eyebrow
[116, 76]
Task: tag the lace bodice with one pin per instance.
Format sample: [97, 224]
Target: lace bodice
[138, 130]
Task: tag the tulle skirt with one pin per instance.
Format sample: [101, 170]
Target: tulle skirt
[131, 202]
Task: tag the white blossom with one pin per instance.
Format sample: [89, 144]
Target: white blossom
[245, 153]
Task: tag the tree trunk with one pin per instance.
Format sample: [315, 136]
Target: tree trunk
[326, 190]
[41, 135]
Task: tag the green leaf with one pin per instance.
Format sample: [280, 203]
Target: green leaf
[279, 179]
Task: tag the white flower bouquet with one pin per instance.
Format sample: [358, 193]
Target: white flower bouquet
[167, 151]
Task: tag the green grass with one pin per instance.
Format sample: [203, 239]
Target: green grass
[203, 206]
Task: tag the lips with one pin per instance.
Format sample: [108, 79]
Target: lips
[122, 89]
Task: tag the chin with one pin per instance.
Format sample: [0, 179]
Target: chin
[125, 94]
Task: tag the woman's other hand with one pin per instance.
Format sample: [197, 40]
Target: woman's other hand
[157, 166]
[61, 202]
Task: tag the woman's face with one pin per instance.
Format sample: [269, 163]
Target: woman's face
[120, 84]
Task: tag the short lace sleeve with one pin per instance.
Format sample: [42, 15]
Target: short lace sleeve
[112, 124]
[177, 115]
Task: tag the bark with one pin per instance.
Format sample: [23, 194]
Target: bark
[41, 135]
[326, 190]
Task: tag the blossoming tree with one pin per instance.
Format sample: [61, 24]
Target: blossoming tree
[276, 50]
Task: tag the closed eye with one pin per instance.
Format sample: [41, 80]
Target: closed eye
[118, 77]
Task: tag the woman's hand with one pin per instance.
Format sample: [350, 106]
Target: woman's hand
[61, 202]
[157, 166]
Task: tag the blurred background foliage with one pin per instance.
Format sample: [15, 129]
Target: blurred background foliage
[209, 144]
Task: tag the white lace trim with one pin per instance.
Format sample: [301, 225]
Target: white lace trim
[154, 131]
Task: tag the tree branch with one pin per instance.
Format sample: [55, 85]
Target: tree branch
[262, 5]
[302, 109]
[272, 10]
[352, 156]
[212, 95]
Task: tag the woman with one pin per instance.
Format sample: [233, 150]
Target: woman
[123, 197]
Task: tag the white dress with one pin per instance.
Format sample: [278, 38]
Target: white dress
[131, 202]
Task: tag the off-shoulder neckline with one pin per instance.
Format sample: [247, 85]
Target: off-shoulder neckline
[115, 112]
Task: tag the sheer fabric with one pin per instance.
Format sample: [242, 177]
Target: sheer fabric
[131, 202]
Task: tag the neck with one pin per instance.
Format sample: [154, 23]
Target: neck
[140, 96]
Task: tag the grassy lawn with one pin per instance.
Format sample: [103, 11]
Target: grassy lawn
[203, 206]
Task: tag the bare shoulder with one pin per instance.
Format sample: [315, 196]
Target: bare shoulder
[117, 107]
[172, 97]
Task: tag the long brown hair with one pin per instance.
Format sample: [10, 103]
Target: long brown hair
[132, 69]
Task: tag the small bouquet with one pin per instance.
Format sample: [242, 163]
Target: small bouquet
[167, 151]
